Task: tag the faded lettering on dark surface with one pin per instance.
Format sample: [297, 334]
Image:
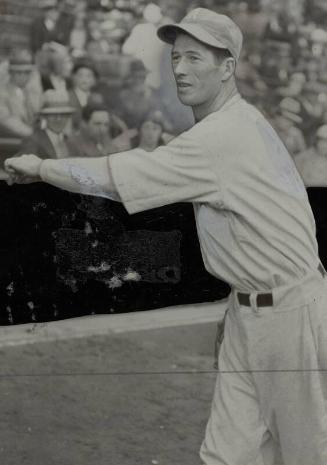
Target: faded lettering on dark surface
[68, 255]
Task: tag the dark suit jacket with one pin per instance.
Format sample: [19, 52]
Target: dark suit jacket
[39, 144]
[83, 146]
[75, 103]
[47, 84]
[40, 34]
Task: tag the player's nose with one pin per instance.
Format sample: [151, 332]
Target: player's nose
[180, 68]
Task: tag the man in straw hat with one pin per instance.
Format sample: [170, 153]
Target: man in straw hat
[51, 141]
[257, 232]
[16, 106]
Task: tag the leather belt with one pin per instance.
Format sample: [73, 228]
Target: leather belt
[263, 300]
[266, 299]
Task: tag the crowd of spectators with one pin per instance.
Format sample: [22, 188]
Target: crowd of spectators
[95, 79]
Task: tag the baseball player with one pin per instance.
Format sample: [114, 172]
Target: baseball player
[256, 232]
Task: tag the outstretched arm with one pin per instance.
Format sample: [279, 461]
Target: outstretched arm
[90, 176]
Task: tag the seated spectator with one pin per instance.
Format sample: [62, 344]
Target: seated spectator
[93, 34]
[250, 83]
[312, 163]
[153, 132]
[280, 26]
[294, 87]
[78, 34]
[51, 141]
[55, 67]
[95, 137]
[136, 45]
[137, 100]
[16, 103]
[310, 99]
[44, 27]
[109, 40]
[312, 110]
[84, 77]
[66, 19]
[287, 122]
[117, 125]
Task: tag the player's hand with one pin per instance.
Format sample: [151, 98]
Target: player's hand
[23, 170]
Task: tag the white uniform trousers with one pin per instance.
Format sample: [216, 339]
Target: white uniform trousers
[270, 397]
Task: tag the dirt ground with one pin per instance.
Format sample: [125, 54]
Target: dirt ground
[102, 400]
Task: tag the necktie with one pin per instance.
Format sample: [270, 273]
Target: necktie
[61, 148]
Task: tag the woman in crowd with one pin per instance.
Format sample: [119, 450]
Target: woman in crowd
[154, 131]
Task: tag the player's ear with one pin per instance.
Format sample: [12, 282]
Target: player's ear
[229, 65]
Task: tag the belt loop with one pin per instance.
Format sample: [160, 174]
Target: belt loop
[236, 301]
[254, 301]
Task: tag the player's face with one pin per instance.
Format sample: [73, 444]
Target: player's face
[197, 71]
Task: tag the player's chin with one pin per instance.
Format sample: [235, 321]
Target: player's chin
[185, 99]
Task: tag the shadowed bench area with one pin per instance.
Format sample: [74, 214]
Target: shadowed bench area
[65, 255]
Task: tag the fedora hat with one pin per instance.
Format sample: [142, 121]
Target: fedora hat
[56, 103]
[21, 60]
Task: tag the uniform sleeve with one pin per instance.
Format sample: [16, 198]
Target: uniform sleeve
[182, 171]
[88, 176]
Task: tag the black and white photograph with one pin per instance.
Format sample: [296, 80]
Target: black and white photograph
[163, 178]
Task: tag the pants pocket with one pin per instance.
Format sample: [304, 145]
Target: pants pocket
[219, 340]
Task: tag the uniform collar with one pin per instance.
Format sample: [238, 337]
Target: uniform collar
[235, 99]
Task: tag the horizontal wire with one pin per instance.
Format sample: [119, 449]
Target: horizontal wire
[152, 373]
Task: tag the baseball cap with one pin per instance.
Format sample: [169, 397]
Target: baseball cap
[208, 27]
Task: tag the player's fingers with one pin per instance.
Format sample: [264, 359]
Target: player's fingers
[11, 165]
[4, 176]
[16, 167]
[11, 180]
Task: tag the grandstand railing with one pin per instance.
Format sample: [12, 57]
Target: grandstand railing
[27, 9]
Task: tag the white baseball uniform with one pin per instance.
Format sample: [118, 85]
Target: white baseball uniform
[256, 232]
